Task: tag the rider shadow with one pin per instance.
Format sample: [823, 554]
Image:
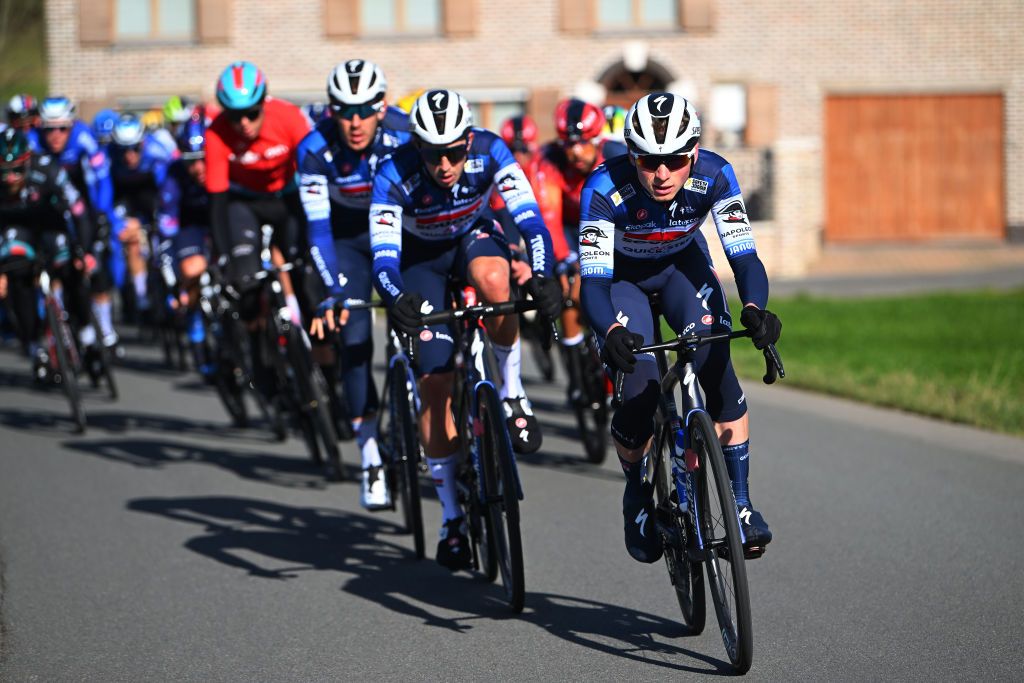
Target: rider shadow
[289, 540]
[285, 471]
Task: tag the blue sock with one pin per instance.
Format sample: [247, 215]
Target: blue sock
[737, 461]
[196, 329]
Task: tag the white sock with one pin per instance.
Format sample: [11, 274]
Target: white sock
[293, 304]
[104, 316]
[366, 437]
[87, 335]
[572, 341]
[510, 359]
[139, 280]
[443, 472]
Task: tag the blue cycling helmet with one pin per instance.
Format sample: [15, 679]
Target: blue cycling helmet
[128, 131]
[103, 124]
[241, 86]
[192, 138]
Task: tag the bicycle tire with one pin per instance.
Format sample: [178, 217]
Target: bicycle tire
[502, 495]
[484, 555]
[405, 454]
[314, 402]
[67, 377]
[723, 549]
[685, 575]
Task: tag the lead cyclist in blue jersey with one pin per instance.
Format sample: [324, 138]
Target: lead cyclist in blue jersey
[639, 221]
[427, 223]
[336, 165]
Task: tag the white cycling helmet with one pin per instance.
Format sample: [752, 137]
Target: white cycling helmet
[128, 131]
[56, 111]
[440, 117]
[356, 81]
[662, 123]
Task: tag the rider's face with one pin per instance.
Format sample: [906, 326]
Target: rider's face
[57, 137]
[132, 157]
[197, 170]
[248, 122]
[581, 155]
[356, 131]
[14, 178]
[445, 163]
[662, 176]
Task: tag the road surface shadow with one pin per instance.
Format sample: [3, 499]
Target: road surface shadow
[288, 471]
[297, 539]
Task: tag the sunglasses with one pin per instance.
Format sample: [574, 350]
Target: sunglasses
[62, 129]
[350, 111]
[13, 170]
[433, 155]
[248, 114]
[673, 162]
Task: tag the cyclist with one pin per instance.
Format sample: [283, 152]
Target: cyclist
[103, 126]
[72, 144]
[639, 235]
[615, 121]
[183, 219]
[561, 172]
[520, 134]
[138, 167]
[337, 162]
[250, 175]
[22, 112]
[250, 171]
[42, 216]
[426, 224]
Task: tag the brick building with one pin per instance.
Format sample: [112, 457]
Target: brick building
[847, 121]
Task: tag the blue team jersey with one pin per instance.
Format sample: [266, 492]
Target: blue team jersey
[183, 201]
[335, 184]
[152, 169]
[87, 166]
[621, 225]
[407, 200]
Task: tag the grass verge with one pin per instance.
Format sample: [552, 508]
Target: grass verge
[957, 356]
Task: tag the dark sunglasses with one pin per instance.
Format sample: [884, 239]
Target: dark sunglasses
[350, 111]
[433, 155]
[673, 162]
[63, 129]
[248, 114]
[13, 170]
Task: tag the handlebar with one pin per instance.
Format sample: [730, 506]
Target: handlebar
[479, 311]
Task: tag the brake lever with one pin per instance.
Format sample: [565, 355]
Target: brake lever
[773, 365]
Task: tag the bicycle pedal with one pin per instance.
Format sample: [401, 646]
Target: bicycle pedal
[753, 553]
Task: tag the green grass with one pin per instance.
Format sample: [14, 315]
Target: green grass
[22, 49]
[955, 356]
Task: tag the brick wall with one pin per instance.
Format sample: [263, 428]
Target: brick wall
[806, 48]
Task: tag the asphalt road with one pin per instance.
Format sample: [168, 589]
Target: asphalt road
[163, 545]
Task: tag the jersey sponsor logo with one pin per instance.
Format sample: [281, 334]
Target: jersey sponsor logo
[386, 283]
[641, 214]
[385, 253]
[741, 248]
[622, 194]
[474, 165]
[703, 294]
[507, 182]
[733, 212]
[590, 235]
[707, 319]
[385, 217]
[696, 185]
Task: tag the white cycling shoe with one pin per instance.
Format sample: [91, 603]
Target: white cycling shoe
[375, 494]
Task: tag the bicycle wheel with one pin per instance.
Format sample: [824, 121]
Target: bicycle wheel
[676, 529]
[405, 452]
[62, 341]
[313, 405]
[723, 549]
[590, 405]
[502, 495]
[484, 554]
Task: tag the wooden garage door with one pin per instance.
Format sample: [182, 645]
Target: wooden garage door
[914, 167]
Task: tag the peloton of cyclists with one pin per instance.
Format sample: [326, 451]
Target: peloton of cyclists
[426, 223]
[42, 218]
[639, 236]
[337, 162]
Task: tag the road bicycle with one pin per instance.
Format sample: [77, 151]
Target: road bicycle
[695, 509]
[487, 477]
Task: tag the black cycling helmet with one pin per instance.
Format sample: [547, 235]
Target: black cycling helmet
[14, 149]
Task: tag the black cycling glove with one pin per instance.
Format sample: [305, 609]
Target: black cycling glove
[405, 314]
[765, 327]
[618, 349]
[547, 292]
